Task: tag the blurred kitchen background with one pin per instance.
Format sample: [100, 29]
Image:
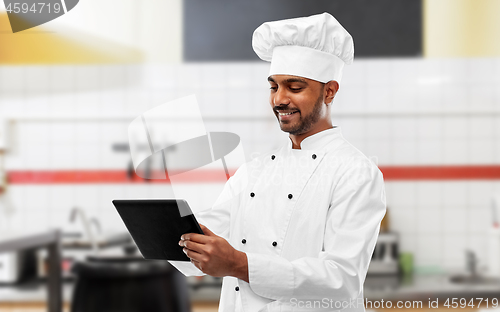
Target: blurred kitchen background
[422, 99]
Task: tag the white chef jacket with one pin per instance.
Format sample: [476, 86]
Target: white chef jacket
[308, 221]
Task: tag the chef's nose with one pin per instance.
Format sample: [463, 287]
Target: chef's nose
[281, 97]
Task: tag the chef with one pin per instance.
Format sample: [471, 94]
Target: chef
[294, 230]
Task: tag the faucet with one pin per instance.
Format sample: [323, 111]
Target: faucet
[86, 226]
[471, 261]
[96, 224]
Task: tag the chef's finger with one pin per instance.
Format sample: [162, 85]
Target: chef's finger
[192, 254]
[196, 264]
[188, 236]
[199, 238]
[193, 246]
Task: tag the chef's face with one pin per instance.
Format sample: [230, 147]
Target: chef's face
[297, 102]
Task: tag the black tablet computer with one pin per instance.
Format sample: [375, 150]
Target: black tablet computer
[156, 225]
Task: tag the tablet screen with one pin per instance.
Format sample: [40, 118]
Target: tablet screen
[156, 225]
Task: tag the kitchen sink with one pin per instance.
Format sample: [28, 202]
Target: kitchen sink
[474, 280]
[106, 240]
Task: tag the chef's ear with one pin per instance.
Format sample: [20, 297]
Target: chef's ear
[330, 89]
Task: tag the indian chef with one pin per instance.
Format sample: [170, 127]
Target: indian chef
[294, 230]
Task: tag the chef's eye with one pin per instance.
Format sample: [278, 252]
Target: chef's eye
[295, 89]
[274, 88]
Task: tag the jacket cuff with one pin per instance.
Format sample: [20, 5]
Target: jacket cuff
[270, 276]
[186, 268]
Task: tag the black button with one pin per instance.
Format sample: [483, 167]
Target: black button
[273, 157]
[314, 156]
[237, 288]
[275, 243]
[290, 196]
[243, 241]
[252, 194]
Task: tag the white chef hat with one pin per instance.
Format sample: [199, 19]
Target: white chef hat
[314, 47]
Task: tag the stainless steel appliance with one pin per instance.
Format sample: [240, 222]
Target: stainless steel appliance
[16, 265]
[10, 268]
[385, 256]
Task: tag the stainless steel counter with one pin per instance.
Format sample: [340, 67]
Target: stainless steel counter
[423, 287]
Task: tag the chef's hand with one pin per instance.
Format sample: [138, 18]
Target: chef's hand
[213, 255]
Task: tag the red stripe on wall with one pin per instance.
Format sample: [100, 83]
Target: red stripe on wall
[491, 172]
[106, 176]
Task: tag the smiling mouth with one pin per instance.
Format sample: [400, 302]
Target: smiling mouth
[287, 114]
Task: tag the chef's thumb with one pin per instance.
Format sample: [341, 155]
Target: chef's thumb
[206, 231]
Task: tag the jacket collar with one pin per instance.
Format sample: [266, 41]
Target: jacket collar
[318, 140]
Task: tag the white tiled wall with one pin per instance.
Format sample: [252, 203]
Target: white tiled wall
[400, 111]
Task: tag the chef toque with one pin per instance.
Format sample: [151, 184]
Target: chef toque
[314, 47]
